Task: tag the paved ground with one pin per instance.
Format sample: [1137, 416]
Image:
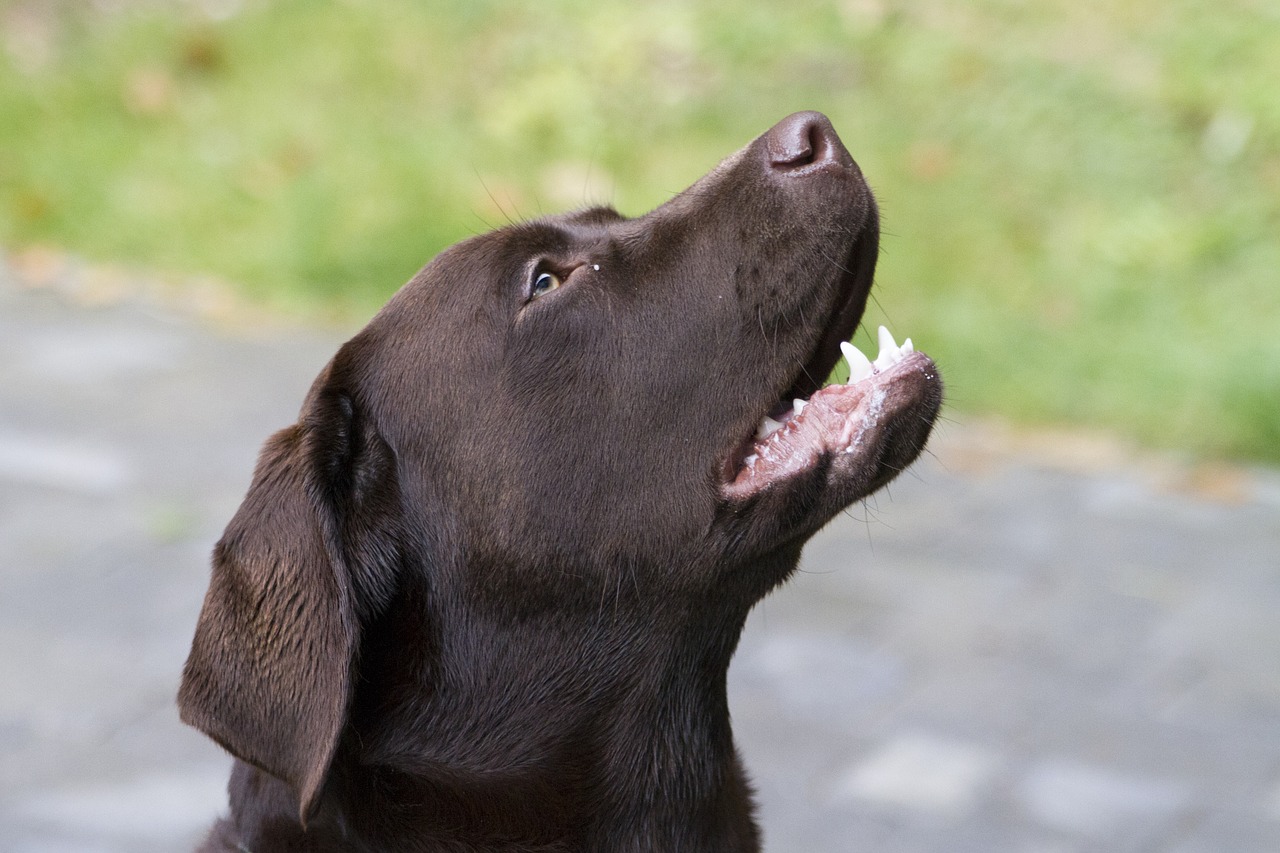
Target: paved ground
[1036, 643]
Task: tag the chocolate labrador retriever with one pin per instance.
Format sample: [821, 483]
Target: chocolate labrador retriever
[483, 595]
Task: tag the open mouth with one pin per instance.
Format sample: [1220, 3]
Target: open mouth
[835, 419]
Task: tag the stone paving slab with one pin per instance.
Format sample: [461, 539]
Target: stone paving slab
[1027, 644]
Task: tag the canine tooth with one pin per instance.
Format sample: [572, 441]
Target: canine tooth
[797, 405]
[767, 427]
[889, 352]
[907, 346]
[859, 365]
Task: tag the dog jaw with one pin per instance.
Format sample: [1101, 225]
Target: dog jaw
[837, 420]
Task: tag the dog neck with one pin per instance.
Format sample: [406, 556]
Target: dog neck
[594, 732]
[654, 771]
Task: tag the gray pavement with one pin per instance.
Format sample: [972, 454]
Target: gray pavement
[1033, 642]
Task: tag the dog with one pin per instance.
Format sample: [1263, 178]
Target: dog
[483, 595]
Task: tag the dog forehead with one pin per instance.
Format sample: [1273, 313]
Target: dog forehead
[595, 215]
[450, 326]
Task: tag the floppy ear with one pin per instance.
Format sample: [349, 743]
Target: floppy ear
[272, 666]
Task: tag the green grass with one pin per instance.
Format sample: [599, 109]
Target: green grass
[1081, 199]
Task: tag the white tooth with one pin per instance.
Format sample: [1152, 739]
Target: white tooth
[859, 366]
[889, 352]
[767, 427]
[750, 461]
[907, 346]
[797, 405]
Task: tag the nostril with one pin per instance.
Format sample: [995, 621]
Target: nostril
[791, 142]
[804, 139]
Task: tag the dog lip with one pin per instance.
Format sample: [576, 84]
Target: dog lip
[854, 284]
[837, 419]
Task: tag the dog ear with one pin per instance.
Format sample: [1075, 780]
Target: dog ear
[305, 558]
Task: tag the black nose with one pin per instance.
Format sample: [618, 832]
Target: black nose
[803, 140]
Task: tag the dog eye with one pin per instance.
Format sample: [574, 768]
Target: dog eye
[544, 283]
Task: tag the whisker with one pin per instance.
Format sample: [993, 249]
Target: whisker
[497, 204]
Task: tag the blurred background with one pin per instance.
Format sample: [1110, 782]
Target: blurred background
[1081, 210]
[1081, 199]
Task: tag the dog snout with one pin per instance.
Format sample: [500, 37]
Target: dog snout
[802, 142]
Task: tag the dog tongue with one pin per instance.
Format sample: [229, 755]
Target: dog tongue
[833, 420]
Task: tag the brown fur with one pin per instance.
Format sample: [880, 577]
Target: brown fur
[484, 594]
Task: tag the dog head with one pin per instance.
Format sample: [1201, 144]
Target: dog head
[550, 406]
